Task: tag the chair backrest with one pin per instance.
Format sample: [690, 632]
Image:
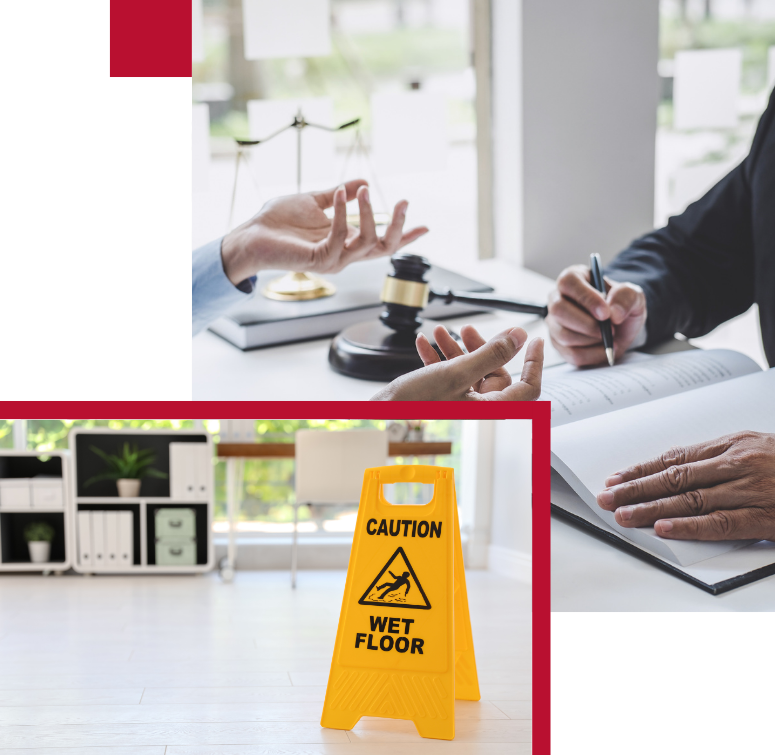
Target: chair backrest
[330, 464]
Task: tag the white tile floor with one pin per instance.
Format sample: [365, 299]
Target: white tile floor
[191, 666]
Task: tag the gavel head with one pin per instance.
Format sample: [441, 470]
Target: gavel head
[405, 293]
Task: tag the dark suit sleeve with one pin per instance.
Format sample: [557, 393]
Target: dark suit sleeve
[698, 271]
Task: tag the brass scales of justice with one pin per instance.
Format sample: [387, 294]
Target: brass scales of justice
[300, 286]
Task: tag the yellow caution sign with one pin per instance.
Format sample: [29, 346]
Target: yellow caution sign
[404, 647]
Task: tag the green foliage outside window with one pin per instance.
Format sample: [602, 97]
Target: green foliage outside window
[48, 434]
[6, 433]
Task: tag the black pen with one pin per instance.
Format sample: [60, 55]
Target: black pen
[605, 325]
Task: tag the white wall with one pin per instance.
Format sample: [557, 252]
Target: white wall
[511, 521]
[575, 91]
[477, 442]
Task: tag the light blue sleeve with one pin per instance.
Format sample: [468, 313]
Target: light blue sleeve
[212, 292]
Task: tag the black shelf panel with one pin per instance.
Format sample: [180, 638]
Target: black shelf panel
[89, 464]
[12, 524]
[30, 466]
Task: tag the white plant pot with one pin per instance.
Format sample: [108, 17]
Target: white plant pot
[128, 488]
[39, 551]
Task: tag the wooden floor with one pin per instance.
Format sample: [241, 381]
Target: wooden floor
[191, 666]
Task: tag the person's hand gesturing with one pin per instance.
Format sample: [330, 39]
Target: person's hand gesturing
[480, 375]
[294, 233]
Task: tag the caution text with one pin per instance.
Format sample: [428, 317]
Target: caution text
[405, 527]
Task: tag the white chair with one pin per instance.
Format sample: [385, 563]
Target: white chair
[329, 469]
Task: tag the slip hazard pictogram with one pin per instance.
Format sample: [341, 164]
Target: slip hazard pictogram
[396, 584]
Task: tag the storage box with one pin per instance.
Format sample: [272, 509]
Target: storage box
[175, 554]
[47, 493]
[175, 524]
[15, 493]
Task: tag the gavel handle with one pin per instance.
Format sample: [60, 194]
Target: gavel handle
[487, 300]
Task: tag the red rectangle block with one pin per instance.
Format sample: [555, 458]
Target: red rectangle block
[150, 38]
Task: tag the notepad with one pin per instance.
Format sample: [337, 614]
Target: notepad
[608, 419]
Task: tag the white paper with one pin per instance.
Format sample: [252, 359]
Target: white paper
[580, 393]
[408, 132]
[711, 571]
[706, 87]
[201, 147]
[275, 161]
[585, 453]
[197, 32]
[286, 28]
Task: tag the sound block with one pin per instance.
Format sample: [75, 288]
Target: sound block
[372, 351]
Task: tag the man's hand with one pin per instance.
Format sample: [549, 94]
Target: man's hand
[720, 490]
[293, 233]
[576, 308]
[479, 375]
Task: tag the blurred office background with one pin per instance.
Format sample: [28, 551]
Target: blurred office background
[491, 461]
[535, 131]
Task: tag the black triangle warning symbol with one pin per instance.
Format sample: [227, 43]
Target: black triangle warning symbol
[396, 585]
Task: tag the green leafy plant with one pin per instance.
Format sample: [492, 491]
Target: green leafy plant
[36, 532]
[131, 464]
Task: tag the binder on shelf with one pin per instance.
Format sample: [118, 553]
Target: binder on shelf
[125, 549]
[202, 471]
[111, 538]
[84, 539]
[98, 539]
[190, 471]
[182, 480]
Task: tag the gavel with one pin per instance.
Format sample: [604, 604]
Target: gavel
[384, 349]
[406, 293]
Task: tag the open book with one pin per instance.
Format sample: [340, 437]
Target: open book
[607, 419]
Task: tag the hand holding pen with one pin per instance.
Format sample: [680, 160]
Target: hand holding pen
[577, 309]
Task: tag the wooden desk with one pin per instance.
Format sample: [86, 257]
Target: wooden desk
[288, 450]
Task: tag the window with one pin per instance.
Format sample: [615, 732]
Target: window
[48, 434]
[379, 48]
[267, 497]
[693, 157]
[6, 433]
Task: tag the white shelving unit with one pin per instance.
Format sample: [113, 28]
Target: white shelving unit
[14, 555]
[85, 464]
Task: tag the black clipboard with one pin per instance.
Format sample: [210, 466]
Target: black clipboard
[717, 588]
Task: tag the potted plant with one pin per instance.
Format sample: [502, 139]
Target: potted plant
[128, 468]
[416, 429]
[39, 536]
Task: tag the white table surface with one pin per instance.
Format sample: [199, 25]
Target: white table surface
[300, 371]
[589, 574]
